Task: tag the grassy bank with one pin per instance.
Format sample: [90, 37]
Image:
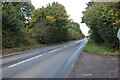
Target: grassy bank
[97, 49]
[22, 48]
[30, 47]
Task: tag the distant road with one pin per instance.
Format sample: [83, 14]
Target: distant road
[48, 62]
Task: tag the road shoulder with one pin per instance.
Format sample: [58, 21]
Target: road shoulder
[95, 66]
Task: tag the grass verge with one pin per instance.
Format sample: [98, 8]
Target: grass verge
[22, 48]
[98, 49]
[29, 47]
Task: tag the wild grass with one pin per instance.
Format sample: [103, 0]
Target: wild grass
[22, 48]
[98, 49]
[29, 47]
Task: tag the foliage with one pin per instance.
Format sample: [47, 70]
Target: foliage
[22, 48]
[74, 31]
[13, 20]
[24, 26]
[103, 20]
[50, 24]
[98, 49]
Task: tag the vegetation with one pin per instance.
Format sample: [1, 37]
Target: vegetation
[53, 24]
[28, 47]
[22, 48]
[98, 49]
[22, 25]
[103, 19]
[14, 18]
[74, 31]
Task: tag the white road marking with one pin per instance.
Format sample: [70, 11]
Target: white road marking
[65, 46]
[32, 58]
[35, 57]
[54, 50]
[86, 74]
[25, 61]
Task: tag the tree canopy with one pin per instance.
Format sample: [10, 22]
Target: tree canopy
[23, 25]
[13, 19]
[103, 19]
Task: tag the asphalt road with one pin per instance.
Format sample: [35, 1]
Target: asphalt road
[48, 62]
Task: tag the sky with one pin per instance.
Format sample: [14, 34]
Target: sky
[73, 8]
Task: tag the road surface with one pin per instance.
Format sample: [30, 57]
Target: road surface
[48, 62]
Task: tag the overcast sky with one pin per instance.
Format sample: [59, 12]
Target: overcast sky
[73, 8]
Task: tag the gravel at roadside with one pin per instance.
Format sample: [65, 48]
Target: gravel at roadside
[95, 66]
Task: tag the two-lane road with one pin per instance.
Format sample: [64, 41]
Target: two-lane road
[48, 62]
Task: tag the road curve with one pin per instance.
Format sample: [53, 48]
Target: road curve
[48, 62]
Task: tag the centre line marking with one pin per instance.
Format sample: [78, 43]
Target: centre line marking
[25, 61]
[30, 59]
[54, 50]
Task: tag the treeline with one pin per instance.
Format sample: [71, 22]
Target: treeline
[22, 24]
[103, 19]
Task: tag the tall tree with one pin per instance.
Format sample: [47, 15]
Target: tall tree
[74, 32]
[13, 19]
[103, 20]
[55, 18]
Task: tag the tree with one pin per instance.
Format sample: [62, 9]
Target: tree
[103, 18]
[74, 32]
[13, 20]
[55, 18]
